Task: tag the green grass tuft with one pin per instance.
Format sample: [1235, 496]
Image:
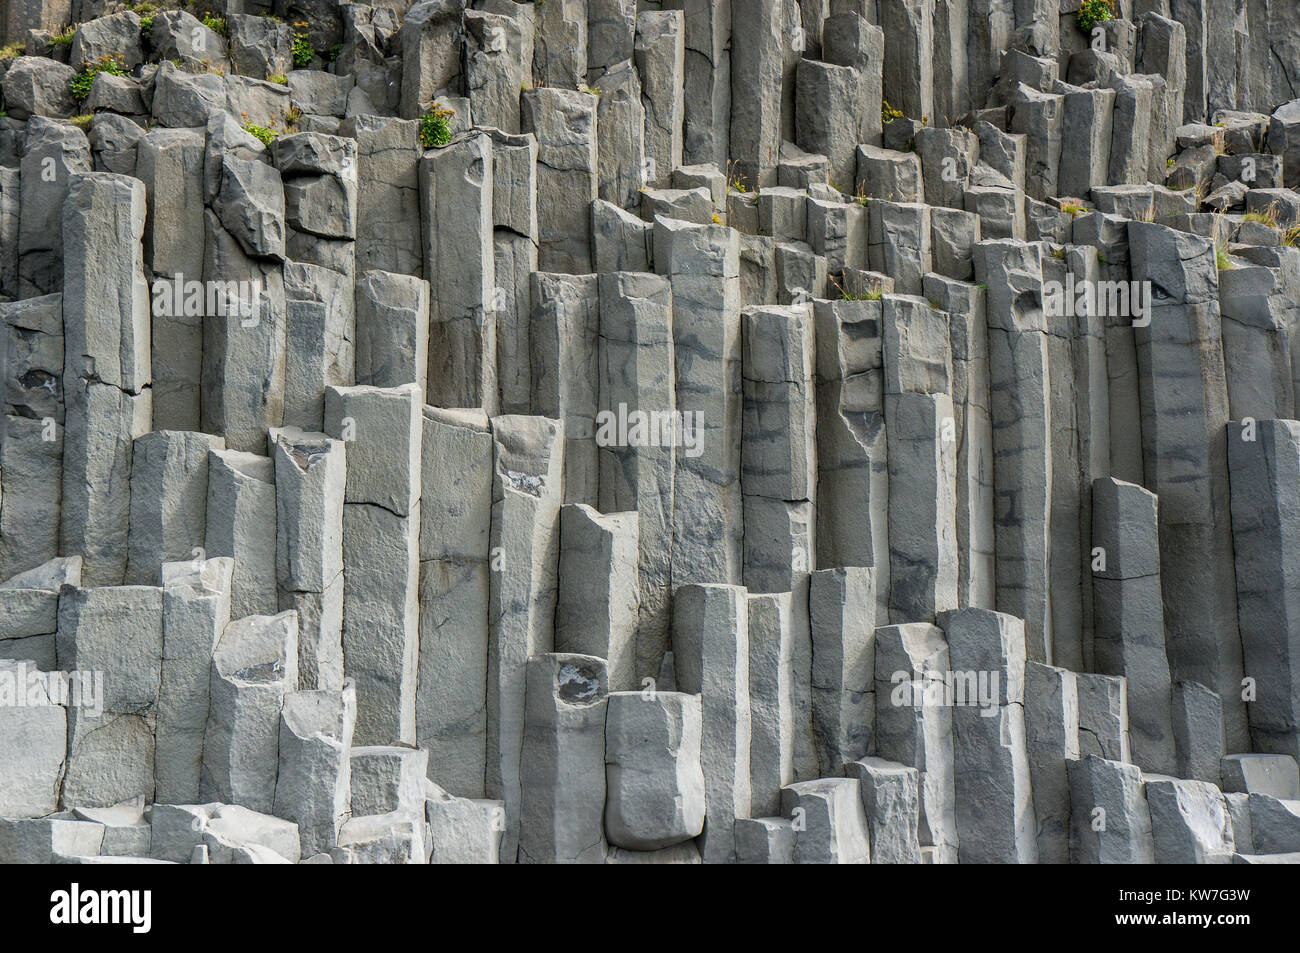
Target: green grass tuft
[1092, 12]
[65, 37]
[79, 86]
[303, 54]
[261, 133]
[435, 127]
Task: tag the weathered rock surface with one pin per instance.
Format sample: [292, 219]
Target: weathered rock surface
[697, 431]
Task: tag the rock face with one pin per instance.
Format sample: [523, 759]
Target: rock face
[588, 431]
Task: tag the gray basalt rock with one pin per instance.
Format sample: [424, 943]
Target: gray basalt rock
[196, 608]
[1130, 633]
[36, 86]
[702, 262]
[832, 825]
[254, 667]
[564, 123]
[382, 428]
[707, 94]
[387, 778]
[392, 330]
[116, 35]
[597, 606]
[313, 785]
[169, 494]
[890, 799]
[995, 809]
[117, 631]
[35, 757]
[388, 208]
[497, 65]
[620, 124]
[319, 175]
[260, 47]
[829, 116]
[780, 691]
[562, 766]
[178, 35]
[1190, 823]
[231, 833]
[763, 79]
[691, 431]
[244, 338]
[660, 56]
[1110, 820]
[527, 493]
[456, 189]
[637, 374]
[1273, 774]
[562, 349]
[654, 784]
[914, 725]
[456, 515]
[250, 204]
[53, 154]
[463, 830]
[711, 657]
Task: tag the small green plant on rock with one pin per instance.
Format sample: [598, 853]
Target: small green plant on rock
[857, 289]
[735, 181]
[65, 37]
[1092, 12]
[83, 122]
[435, 127]
[888, 114]
[302, 50]
[1270, 216]
[1222, 260]
[216, 25]
[79, 86]
[263, 134]
[278, 78]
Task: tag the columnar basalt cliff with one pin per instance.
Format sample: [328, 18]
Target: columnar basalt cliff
[650, 431]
